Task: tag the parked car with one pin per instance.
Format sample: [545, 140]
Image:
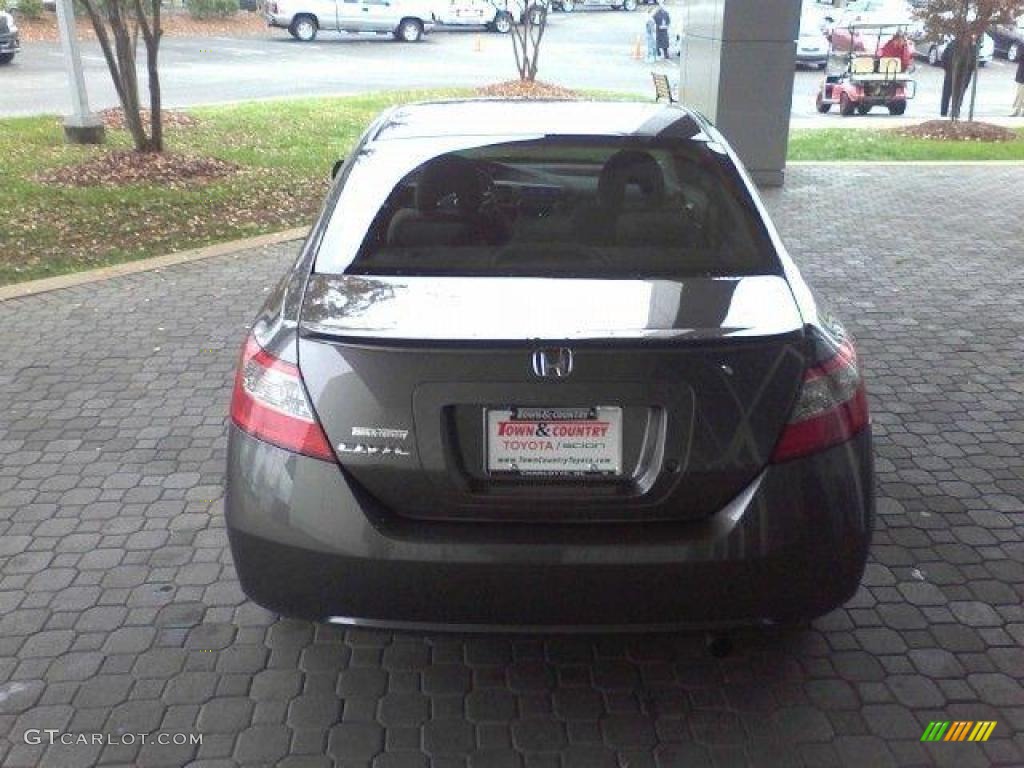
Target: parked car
[932, 49]
[547, 364]
[571, 5]
[1008, 41]
[9, 43]
[494, 15]
[812, 45]
[875, 12]
[406, 20]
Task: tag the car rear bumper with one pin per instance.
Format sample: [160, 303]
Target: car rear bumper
[811, 58]
[308, 543]
[9, 44]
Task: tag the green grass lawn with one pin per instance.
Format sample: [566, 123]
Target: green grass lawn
[284, 150]
[867, 144]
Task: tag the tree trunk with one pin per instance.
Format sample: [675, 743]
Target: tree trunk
[117, 27]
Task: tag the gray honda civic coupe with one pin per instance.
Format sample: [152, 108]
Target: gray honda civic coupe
[547, 366]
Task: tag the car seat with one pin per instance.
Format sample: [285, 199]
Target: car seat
[862, 65]
[596, 222]
[890, 65]
[449, 208]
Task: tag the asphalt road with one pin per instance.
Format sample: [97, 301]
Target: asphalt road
[592, 49]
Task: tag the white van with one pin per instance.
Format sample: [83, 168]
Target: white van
[494, 15]
[406, 20]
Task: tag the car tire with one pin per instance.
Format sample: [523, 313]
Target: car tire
[822, 106]
[502, 23]
[846, 106]
[567, 6]
[304, 28]
[409, 30]
[6, 58]
[537, 15]
[1013, 52]
[863, 109]
[629, 5]
[897, 107]
[933, 56]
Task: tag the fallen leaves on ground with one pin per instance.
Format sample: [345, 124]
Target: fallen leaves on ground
[523, 89]
[120, 167]
[173, 24]
[947, 130]
[114, 118]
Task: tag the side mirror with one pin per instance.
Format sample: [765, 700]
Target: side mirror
[336, 169]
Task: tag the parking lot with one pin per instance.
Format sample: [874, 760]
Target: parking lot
[120, 613]
[592, 49]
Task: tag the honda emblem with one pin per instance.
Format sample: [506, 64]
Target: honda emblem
[552, 363]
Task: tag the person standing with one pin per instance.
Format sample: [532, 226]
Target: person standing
[651, 31]
[967, 66]
[663, 21]
[1018, 103]
[947, 77]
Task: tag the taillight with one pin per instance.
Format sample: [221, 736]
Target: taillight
[832, 406]
[269, 402]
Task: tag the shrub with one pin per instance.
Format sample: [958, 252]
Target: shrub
[30, 9]
[209, 9]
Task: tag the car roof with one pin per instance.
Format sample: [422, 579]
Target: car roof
[510, 117]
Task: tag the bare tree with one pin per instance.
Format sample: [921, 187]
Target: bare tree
[963, 22]
[118, 25]
[528, 25]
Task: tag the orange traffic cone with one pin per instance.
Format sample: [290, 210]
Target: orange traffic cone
[637, 52]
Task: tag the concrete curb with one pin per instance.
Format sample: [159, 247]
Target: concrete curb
[33, 287]
[909, 163]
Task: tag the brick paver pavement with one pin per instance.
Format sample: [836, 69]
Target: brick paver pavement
[120, 612]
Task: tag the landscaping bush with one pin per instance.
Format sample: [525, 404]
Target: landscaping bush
[209, 9]
[29, 9]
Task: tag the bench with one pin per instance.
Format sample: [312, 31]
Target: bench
[662, 88]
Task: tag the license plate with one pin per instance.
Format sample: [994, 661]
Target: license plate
[554, 441]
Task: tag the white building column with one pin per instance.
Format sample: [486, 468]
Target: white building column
[737, 68]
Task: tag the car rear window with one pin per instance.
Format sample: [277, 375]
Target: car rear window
[566, 207]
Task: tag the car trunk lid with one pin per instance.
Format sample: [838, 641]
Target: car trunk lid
[677, 392]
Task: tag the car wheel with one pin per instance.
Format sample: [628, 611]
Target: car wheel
[846, 106]
[537, 15]
[568, 6]
[897, 107]
[933, 56]
[6, 58]
[629, 5]
[822, 106]
[1013, 52]
[303, 28]
[503, 23]
[409, 30]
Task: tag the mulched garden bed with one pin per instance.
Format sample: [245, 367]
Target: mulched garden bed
[120, 167]
[947, 130]
[173, 24]
[114, 119]
[520, 89]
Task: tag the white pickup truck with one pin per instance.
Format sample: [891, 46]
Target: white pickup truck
[406, 20]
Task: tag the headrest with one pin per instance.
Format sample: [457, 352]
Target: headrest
[626, 167]
[446, 175]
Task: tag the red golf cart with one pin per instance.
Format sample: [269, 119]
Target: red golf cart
[862, 73]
